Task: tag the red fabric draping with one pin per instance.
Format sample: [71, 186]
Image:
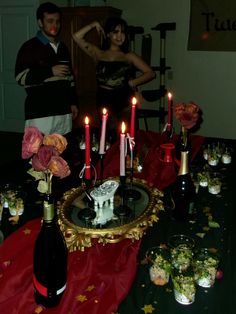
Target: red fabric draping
[98, 278]
[156, 172]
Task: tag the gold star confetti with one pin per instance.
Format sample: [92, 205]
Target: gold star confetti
[27, 231]
[90, 288]
[38, 309]
[148, 308]
[81, 298]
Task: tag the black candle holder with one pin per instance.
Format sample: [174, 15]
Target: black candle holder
[130, 193]
[101, 167]
[87, 214]
[123, 211]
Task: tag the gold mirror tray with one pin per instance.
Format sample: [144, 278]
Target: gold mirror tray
[80, 234]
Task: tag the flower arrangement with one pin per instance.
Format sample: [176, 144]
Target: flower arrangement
[44, 151]
[187, 114]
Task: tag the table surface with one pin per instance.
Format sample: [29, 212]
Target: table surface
[144, 296]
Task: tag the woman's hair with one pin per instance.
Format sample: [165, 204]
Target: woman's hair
[47, 7]
[110, 26]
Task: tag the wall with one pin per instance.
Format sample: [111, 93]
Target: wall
[207, 78]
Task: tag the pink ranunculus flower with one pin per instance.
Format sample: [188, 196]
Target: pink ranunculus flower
[40, 161]
[31, 143]
[59, 167]
[56, 140]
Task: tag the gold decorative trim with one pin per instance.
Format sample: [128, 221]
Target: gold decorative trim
[78, 237]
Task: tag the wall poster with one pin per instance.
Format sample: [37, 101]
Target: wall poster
[212, 25]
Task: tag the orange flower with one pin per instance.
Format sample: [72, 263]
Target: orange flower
[56, 140]
[58, 167]
[45, 151]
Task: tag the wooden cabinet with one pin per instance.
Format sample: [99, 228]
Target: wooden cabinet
[74, 18]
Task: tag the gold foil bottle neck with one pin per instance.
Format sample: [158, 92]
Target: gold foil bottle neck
[48, 211]
[184, 163]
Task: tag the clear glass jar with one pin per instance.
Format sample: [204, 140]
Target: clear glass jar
[160, 269]
[205, 267]
[184, 286]
[181, 248]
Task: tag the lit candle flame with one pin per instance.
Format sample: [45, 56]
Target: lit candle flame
[86, 120]
[169, 95]
[123, 128]
[104, 111]
[134, 100]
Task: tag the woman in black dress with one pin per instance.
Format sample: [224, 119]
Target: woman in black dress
[116, 67]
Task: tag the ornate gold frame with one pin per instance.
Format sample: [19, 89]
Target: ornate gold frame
[78, 238]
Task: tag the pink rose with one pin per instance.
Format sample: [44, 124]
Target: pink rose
[59, 167]
[32, 140]
[187, 114]
[41, 160]
[188, 120]
[56, 140]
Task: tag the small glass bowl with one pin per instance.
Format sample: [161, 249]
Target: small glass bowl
[161, 265]
[205, 266]
[214, 184]
[13, 198]
[184, 286]
[181, 248]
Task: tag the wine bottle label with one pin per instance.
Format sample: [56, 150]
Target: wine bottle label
[44, 290]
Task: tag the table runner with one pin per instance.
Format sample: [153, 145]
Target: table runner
[98, 278]
[156, 172]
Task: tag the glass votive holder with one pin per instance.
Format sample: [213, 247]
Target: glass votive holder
[203, 178]
[13, 199]
[213, 158]
[181, 248]
[226, 157]
[205, 267]
[160, 269]
[184, 286]
[214, 184]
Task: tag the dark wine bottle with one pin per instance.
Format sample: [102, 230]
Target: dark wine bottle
[183, 192]
[50, 259]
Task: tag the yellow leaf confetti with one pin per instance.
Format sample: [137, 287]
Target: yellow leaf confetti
[200, 235]
[213, 224]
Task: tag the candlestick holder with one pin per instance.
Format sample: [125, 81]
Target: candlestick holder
[167, 133]
[123, 211]
[101, 167]
[130, 193]
[87, 214]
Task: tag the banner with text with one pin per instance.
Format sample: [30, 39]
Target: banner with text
[212, 25]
